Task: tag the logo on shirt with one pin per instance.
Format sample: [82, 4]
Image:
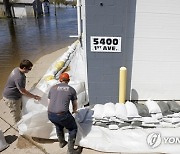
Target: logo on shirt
[63, 88]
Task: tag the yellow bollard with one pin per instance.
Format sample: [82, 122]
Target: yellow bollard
[122, 84]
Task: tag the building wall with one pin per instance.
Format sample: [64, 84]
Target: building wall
[113, 18]
[150, 32]
[156, 59]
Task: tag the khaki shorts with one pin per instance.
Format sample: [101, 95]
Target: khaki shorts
[15, 107]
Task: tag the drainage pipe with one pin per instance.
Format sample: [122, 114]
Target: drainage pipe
[79, 18]
[78, 5]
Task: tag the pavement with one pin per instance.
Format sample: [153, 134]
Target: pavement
[22, 144]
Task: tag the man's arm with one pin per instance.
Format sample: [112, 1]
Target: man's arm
[74, 104]
[48, 101]
[27, 93]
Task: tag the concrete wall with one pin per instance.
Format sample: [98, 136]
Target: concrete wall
[20, 12]
[150, 31]
[23, 11]
[2, 11]
[24, 8]
[29, 11]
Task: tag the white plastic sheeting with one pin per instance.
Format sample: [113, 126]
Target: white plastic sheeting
[130, 140]
[127, 139]
[35, 120]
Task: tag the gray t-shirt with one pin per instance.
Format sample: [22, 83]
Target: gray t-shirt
[15, 82]
[60, 96]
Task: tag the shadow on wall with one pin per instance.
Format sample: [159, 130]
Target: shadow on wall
[134, 95]
[129, 48]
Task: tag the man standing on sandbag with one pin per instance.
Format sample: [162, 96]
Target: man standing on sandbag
[59, 97]
[15, 88]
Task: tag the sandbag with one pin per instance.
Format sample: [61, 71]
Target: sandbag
[164, 108]
[121, 111]
[132, 111]
[142, 110]
[152, 106]
[174, 106]
[98, 111]
[109, 110]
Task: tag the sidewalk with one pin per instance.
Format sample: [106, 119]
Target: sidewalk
[25, 144]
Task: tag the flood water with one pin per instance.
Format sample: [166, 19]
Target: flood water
[32, 38]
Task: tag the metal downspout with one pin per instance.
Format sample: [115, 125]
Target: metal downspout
[79, 36]
[79, 18]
